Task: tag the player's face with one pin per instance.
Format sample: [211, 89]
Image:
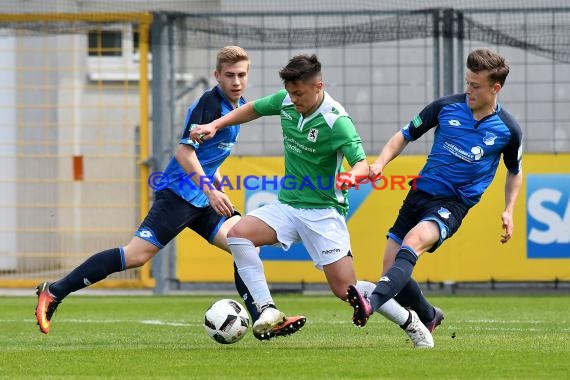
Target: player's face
[481, 93]
[306, 96]
[232, 79]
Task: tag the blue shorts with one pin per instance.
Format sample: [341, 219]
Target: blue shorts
[447, 212]
[170, 214]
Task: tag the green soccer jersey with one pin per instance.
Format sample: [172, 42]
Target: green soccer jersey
[314, 150]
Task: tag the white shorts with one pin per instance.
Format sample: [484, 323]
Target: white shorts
[322, 231]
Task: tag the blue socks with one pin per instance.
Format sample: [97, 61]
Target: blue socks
[92, 270]
[395, 279]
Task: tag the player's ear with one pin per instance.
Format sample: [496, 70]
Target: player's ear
[319, 84]
[496, 88]
[217, 75]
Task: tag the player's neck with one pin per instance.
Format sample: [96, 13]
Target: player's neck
[316, 106]
[485, 111]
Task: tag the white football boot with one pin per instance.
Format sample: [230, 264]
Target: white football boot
[418, 332]
[269, 319]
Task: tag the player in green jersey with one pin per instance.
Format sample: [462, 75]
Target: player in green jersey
[318, 135]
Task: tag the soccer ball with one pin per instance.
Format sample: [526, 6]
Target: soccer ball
[226, 321]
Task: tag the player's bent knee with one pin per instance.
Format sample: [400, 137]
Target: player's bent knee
[138, 258]
[234, 232]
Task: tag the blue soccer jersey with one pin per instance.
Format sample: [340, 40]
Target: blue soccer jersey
[465, 152]
[211, 106]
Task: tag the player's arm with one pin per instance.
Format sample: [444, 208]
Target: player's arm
[218, 179]
[239, 115]
[512, 158]
[350, 144]
[423, 122]
[391, 150]
[357, 174]
[188, 160]
[513, 185]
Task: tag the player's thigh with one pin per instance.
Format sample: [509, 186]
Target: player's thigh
[324, 234]
[340, 275]
[255, 230]
[423, 236]
[267, 225]
[138, 251]
[167, 217]
[390, 252]
[221, 237]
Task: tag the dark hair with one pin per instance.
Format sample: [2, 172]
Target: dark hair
[483, 59]
[301, 68]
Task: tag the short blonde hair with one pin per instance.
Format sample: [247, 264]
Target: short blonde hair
[230, 54]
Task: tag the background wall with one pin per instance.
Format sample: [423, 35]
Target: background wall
[473, 254]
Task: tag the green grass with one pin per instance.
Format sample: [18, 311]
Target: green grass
[109, 337]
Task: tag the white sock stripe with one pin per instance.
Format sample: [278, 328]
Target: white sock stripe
[239, 241]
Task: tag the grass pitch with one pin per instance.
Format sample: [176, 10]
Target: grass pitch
[161, 337]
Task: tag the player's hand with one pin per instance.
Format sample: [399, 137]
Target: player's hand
[507, 220]
[374, 171]
[202, 132]
[345, 180]
[221, 203]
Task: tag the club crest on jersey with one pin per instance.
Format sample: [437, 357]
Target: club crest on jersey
[312, 136]
[489, 138]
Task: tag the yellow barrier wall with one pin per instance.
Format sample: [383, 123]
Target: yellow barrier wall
[473, 254]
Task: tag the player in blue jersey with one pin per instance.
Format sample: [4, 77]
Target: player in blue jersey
[184, 200]
[472, 132]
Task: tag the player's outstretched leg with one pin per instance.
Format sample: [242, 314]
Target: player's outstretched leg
[46, 306]
[361, 306]
[436, 321]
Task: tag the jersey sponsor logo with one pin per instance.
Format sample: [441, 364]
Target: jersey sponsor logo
[225, 146]
[444, 213]
[296, 146]
[454, 122]
[548, 216]
[489, 138]
[417, 121]
[312, 136]
[286, 115]
[474, 155]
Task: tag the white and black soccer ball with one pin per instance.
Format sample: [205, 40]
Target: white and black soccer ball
[226, 321]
